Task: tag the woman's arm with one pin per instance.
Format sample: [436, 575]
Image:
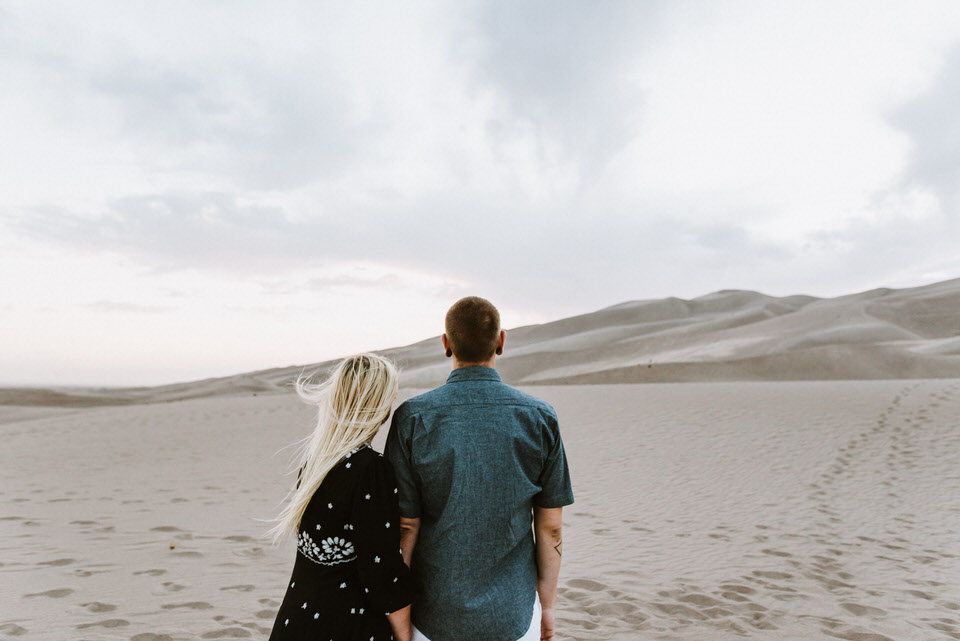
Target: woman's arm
[375, 521]
[548, 526]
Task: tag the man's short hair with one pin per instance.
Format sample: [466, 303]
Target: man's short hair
[473, 329]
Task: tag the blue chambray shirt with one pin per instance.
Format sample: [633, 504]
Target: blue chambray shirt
[472, 458]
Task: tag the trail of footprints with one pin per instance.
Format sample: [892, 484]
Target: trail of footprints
[896, 438]
[230, 628]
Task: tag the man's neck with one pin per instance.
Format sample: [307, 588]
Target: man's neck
[458, 364]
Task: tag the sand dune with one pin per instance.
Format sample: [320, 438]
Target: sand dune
[728, 335]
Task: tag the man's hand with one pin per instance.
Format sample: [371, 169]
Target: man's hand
[547, 625]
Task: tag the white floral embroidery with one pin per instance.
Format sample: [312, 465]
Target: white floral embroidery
[316, 615]
[331, 550]
[367, 497]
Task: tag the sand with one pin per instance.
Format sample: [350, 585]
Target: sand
[773, 510]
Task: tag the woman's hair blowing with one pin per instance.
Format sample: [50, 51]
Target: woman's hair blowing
[353, 402]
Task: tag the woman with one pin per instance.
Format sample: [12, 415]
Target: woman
[349, 580]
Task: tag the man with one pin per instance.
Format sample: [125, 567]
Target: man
[477, 463]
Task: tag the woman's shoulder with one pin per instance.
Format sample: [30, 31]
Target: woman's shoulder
[371, 463]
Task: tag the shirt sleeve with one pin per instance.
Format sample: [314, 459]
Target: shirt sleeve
[556, 489]
[398, 451]
[375, 517]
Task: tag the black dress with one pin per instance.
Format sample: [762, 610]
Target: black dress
[349, 572]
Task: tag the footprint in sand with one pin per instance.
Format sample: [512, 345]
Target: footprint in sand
[151, 572]
[57, 562]
[585, 584]
[106, 623]
[862, 610]
[96, 606]
[150, 636]
[173, 587]
[699, 599]
[772, 575]
[226, 633]
[239, 588]
[239, 538]
[12, 629]
[58, 593]
[190, 605]
[165, 528]
[266, 614]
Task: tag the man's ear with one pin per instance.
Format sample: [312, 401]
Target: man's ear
[446, 345]
[503, 338]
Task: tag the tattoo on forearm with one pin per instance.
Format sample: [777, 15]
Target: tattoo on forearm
[559, 547]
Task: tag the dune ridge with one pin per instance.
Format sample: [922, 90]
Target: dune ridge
[729, 335]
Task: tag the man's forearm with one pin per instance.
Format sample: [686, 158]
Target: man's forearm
[409, 530]
[549, 533]
[400, 622]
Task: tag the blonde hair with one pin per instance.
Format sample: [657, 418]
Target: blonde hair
[354, 401]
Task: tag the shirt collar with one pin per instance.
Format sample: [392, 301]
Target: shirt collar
[474, 373]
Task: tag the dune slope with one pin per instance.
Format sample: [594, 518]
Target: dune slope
[727, 335]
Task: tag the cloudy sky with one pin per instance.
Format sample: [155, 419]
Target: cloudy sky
[192, 189]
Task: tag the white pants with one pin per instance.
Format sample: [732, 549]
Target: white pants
[532, 633]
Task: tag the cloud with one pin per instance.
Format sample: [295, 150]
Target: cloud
[533, 258]
[932, 120]
[169, 231]
[460, 147]
[562, 68]
[268, 127]
[123, 306]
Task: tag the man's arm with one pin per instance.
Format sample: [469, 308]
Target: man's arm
[409, 529]
[548, 526]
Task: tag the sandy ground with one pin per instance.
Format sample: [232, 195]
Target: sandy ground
[790, 510]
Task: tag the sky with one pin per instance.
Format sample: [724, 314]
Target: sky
[199, 189]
